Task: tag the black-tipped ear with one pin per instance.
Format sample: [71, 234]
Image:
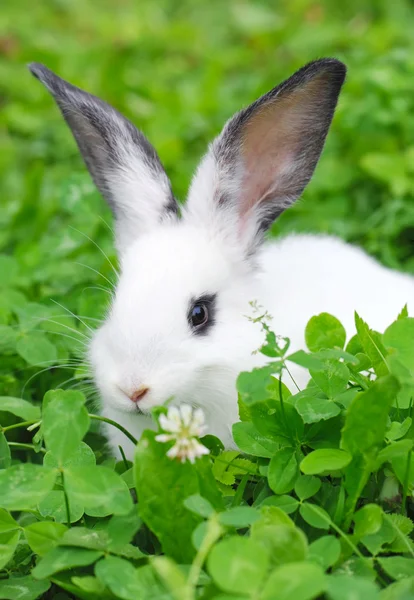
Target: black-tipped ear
[124, 165]
[267, 153]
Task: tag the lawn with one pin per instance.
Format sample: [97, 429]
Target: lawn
[252, 522]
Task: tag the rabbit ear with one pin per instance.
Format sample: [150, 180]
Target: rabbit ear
[124, 166]
[266, 154]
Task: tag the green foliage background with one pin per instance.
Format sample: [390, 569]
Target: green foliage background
[179, 69]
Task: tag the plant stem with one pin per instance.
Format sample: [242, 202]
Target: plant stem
[291, 376]
[338, 530]
[66, 499]
[17, 425]
[214, 531]
[240, 467]
[117, 425]
[26, 446]
[121, 450]
[406, 477]
[282, 408]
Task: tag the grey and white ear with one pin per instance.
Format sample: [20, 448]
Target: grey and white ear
[266, 154]
[124, 166]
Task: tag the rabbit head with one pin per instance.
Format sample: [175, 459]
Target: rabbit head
[177, 326]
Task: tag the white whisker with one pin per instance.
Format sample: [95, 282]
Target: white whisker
[111, 283]
[73, 315]
[99, 248]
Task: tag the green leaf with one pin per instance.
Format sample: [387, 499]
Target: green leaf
[324, 461]
[239, 516]
[376, 541]
[24, 485]
[20, 408]
[394, 450]
[284, 543]
[283, 470]
[65, 422]
[325, 551]
[373, 347]
[199, 505]
[344, 587]
[366, 418]
[98, 488]
[255, 386]
[399, 590]
[7, 523]
[398, 430]
[128, 477]
[31, 315]
[53, 506]
[238, 565]
[403, 523]
[82, 537]
[272, 515]
[60, 559]
[333, 380]
[5, 456]
[36, 349]
[286, 503]
[397, 567]
[299, 580]
[403, 313]
[82, 456]
[324, 331]
[307, 486]
[23, 588]
[313, 409]
[402, 527]
[199, 533]
[399, 336]
[282, 425]
[8, 544]
[251, 441]
[368, 520]
[126, 582]
[122, 528]
[221, 467]
[364, 362]
[8, 339]
[337, 355]
[165, 513]
[315, 515]
[308, 361]
[9, 268]
[90, 585]
[43, 536]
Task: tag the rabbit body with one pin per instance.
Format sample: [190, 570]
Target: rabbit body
[296, 277]
[178, 325]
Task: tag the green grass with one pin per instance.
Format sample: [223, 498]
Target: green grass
[178, 70]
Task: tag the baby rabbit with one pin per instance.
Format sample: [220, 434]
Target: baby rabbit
[177, 326]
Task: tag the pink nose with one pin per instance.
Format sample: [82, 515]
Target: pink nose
[139, 394]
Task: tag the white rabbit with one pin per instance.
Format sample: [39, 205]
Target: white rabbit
[177, 326]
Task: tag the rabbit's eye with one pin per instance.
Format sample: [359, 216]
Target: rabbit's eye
[199, 315]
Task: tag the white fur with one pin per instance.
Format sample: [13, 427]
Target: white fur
[144, 195]
[146, 339]
[256, 168]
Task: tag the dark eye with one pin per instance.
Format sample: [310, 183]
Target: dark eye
[202, 313]
[199, 315]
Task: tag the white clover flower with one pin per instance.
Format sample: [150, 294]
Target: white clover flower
[184, 425]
